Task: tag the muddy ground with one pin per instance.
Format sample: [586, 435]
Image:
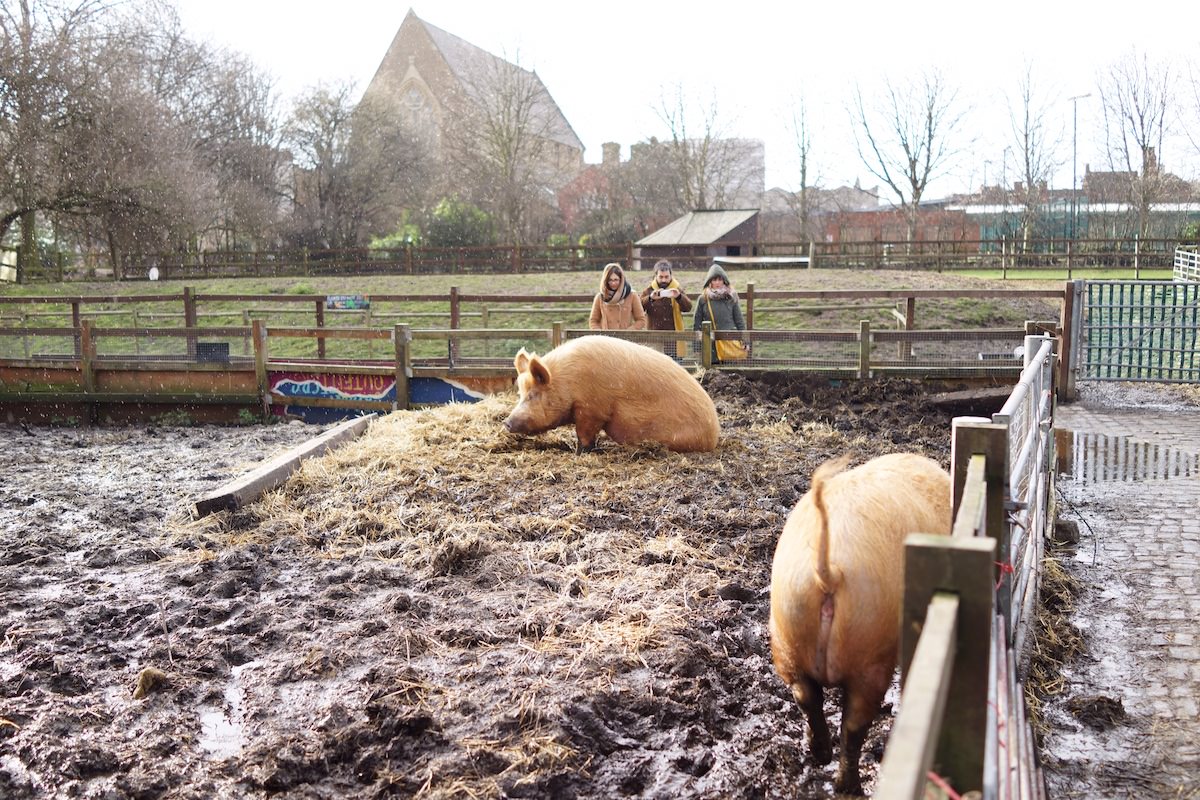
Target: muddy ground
[438, 609]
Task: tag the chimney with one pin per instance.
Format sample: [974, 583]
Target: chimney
[611, 154]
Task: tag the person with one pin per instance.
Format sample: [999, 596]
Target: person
[616, 307]
[718, 304]
[665, 303]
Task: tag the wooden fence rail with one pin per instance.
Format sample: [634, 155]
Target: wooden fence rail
[942, 255]
[966, 724]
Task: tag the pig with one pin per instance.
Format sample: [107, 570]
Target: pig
[837, 584]
[632, 393]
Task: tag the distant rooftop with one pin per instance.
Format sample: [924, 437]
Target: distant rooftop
[699, 227]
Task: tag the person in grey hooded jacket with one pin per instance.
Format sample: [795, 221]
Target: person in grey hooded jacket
[719, 296]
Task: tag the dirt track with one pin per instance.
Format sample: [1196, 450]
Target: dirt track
[500, 619]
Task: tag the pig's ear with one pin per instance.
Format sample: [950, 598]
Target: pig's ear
[539, 371]
[521, 361]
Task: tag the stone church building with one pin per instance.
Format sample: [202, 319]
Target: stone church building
[435, 79]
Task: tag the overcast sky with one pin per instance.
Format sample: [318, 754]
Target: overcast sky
[610, 64]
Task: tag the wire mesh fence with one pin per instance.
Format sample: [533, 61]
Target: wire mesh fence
[1140, 331]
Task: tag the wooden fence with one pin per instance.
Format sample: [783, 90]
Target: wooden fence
[969, 605]
[892, 343]
[976, 254]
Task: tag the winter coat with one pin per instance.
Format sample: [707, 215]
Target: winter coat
[622, 312]
[663, 314]
[726, 311]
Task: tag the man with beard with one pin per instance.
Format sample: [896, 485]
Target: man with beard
[666, 303]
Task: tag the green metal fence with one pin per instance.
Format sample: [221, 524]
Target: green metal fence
[1139, 331]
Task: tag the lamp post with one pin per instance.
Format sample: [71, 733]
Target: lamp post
[1074, 157]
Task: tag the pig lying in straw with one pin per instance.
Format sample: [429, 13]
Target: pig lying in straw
[837, 584]
[631, 392]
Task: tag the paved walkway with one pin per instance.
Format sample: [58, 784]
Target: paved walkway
[1134, 489]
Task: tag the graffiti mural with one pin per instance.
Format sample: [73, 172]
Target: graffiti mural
[421, 391]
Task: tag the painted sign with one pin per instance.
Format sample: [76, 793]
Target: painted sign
[355, 302]
[422, 391]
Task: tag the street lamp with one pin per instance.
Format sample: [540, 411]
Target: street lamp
[1074, 158]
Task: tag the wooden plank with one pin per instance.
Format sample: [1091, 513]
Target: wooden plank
[328, 369]
[914, 738]
[970, 515]
[330, 333]
[180, 398]
[935, 564]
[267, 476]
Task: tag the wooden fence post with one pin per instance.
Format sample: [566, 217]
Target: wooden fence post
[864, 349]
[455, 315]
[402, 336]
[87, 356]
[258, 332]
[189, 320]
[1067, 354]
[750, 306]
[706, 344]
[812, 254]
[87, 365]
[979, 436]
[320, 304]
[556, 334]
[910, 316]
[962, 566]
[77, 324]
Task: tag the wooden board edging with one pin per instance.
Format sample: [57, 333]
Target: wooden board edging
[267, 476]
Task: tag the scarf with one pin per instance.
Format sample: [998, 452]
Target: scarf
[674, 284]
[618, 295]
[719, 294]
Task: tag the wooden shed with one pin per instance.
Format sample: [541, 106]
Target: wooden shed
[700, 236]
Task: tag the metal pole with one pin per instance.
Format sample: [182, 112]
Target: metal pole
[1074, 158]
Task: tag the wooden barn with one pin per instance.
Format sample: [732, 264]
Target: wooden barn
[700, 236]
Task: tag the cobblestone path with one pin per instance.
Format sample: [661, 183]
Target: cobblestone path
[1127, 721]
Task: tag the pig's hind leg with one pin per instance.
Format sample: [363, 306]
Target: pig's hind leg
[811, 697]
[861, 701]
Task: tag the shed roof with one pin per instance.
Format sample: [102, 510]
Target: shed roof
[699, 227]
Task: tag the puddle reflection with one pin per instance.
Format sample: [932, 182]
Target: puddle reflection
[1101, 457]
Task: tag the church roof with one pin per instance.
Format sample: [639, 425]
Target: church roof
[473, 65]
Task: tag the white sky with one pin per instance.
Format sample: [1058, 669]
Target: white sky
[609, 64]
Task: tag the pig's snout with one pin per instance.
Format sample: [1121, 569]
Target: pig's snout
[516, 422]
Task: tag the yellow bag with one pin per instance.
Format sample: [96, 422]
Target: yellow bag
[731, 350]
[728, 349]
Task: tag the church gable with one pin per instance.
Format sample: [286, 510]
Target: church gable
[426, 70]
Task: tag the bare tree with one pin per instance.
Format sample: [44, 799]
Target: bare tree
[708, 169]
[356, 165]
[117, 129]
[505, 147]
[908, 138]
[803, 200]
[1137, 102]
[1036, 147]
[42, 47]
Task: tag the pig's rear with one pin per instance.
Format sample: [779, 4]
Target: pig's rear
[837, 588]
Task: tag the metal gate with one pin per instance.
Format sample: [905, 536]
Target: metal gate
[1138, 331]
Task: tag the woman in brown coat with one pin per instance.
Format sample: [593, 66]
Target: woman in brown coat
[616, 306]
